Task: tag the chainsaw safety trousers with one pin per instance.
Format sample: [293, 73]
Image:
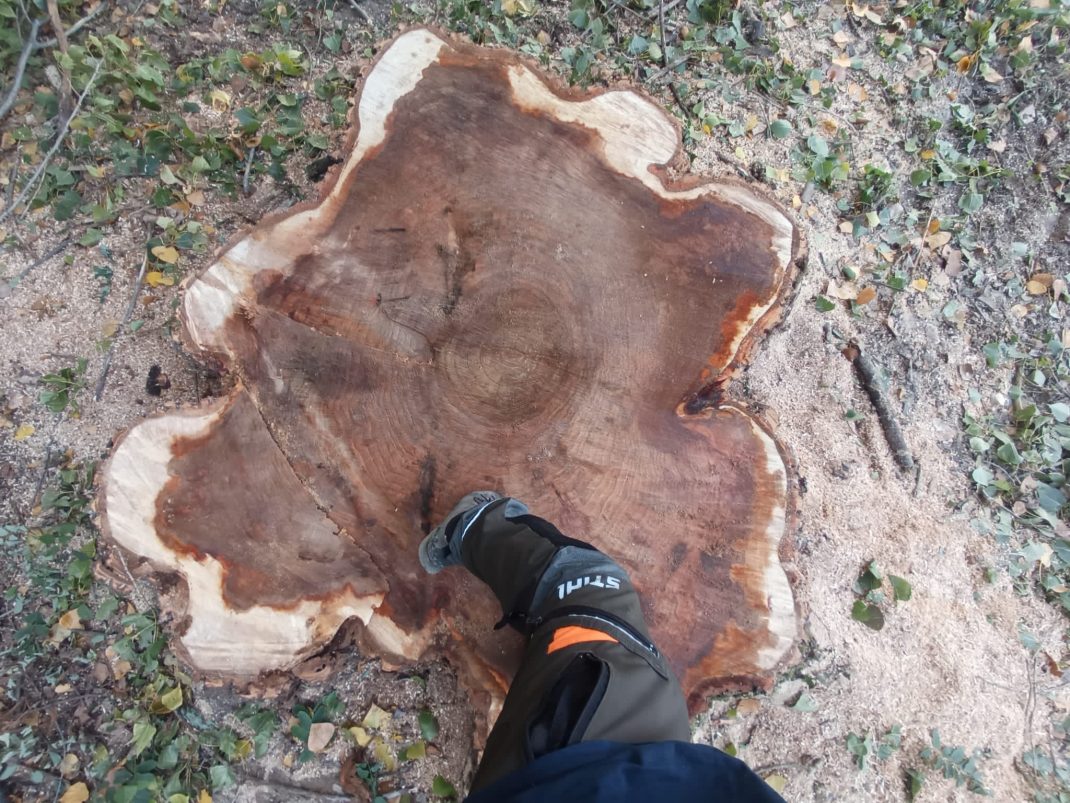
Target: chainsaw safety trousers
[590, 671]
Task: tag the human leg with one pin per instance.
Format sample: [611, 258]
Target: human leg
[590, 670]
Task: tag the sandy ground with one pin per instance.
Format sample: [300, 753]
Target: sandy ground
[949, 658]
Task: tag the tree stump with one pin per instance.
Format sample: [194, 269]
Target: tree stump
[501, 288]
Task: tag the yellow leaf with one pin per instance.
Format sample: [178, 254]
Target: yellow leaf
[76, 793]
[927, 154]
[220, 100]
[204, 797]
[70, 620]
[196, 198]
[921, 285]
[155, 279]
[69, 765]
[842, 61]
[1035, 288]
[814, 86]
[938, 240]
[109, 329]
[166, 253]
[375, 718]
[62, 688]
[963, 65]
[777, 782]
[865, 295]
[25, 431]
[360, 735]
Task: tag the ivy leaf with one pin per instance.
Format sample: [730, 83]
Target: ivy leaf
[869, 615]
[971, 201]
[779, 129]
[823, 304]
[901, 588]
[442, 788]
[428, 725]
[143, 735]
[91, 237]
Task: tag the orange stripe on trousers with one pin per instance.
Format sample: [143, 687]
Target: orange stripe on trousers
[573, 634]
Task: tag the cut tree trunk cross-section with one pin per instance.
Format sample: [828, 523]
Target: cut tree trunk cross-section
[502, 289]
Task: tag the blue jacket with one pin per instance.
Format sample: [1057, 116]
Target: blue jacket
[612, 772]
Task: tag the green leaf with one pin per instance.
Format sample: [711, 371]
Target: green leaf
[442, 788]
[108, 606]
[172, 700]
[805, 704]
[1060, 411]
[817, 145]
[823, 304]
[221, 776]
[982, 476]
[91, 237]
[428, 725]
[1009, 454]
[779, 129]
[914, 781]
[869, 615]
[900, 588]
[66, 205]
[869, 579]
[971, 201]
[143, 735]
[920, 177]
[414, 751]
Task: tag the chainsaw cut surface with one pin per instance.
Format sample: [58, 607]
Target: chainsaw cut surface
[499, 290]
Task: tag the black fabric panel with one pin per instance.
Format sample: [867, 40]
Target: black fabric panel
[569, 706]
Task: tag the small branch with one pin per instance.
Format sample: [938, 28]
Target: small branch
[668, 68]
[46, 43]
[665, 60]
[20, 69]
[56, 249]
[360, 11]
[22, 196]
[663, 7]
[248, 169]
[869, 375]
[99, 392]
[628, 9]
[61, 38]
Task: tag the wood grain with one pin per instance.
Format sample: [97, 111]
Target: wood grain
[499, 289]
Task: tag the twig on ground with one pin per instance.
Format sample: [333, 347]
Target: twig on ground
[665, 61]
[67, 91]
[627, 8]
[139, 600]
[360, 11]
[659, 12]
[20, 69]
[62, 135]
[44, 470]
[46, 43]
[99, 392]
[870, 377]
[668, 68]
[56, 249]
[248, 169]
